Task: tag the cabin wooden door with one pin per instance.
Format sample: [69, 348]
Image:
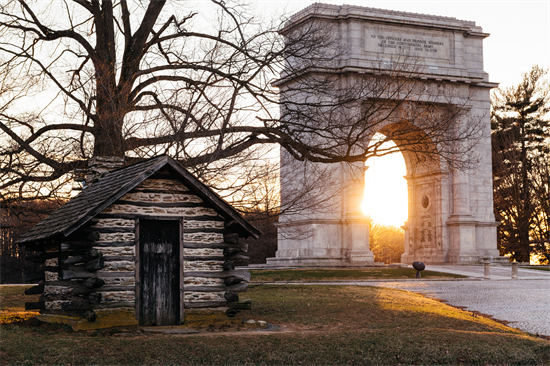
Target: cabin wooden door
[159, 268]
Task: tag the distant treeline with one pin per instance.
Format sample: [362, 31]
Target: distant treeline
[16, 217]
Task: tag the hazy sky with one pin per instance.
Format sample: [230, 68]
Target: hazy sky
[520, 30]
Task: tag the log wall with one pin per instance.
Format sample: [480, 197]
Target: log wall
[95, 267]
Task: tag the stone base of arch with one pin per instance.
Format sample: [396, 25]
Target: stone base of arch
[319, 262]
[324, 243]
[469, 242]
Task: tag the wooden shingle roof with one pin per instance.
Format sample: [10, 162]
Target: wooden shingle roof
[114, 185]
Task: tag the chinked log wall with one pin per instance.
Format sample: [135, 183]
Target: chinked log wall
[108, 256]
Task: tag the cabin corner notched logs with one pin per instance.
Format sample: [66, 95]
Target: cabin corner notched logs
[96, 267]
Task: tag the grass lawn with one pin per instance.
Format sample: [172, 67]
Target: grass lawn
[539, 268]
[12, 303]
[321, 325]
[316, 275]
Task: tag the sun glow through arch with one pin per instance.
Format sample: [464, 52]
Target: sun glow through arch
[385, 197]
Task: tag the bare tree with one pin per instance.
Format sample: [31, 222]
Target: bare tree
[137, 79]
[131, 79]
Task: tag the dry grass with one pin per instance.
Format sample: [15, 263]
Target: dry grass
[321, 325]
[12, 304]
[13, 298]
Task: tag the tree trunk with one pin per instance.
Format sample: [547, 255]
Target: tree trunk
[110, 111]
[108, 139]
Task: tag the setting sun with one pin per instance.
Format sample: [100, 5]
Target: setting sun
[386, 190]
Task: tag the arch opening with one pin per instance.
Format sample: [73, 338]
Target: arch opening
[386, 203]
[385, 199]
[403, 197]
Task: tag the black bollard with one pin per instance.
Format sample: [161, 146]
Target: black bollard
[419, 266]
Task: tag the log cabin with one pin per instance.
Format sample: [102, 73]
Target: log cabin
[146, 244]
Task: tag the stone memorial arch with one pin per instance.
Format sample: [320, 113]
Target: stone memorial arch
[450, 210]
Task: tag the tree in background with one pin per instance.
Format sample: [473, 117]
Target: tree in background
[540, 233]
[386, 242]
[521, 151]
[19, 212]
[15, 219]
